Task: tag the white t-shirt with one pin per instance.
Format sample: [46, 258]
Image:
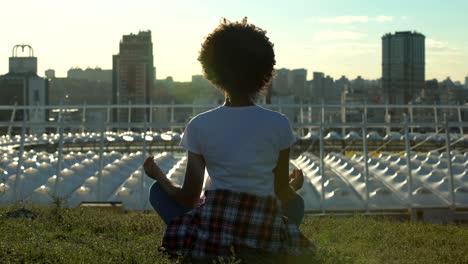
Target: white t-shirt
[240, 145]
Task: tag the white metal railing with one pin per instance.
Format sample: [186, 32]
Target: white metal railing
[301, 115]
[303, 120]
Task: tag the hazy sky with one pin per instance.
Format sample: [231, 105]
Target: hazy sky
[332, 36]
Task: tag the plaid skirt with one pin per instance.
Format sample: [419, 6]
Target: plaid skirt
[231, 220]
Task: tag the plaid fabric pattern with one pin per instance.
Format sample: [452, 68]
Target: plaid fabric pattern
[233, 220]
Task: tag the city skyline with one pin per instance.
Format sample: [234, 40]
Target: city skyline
[331, 37]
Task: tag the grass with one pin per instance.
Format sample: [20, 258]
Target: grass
[101, 236]
[364, 240]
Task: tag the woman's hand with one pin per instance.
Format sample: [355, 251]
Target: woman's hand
[296, 179]
[152, 169]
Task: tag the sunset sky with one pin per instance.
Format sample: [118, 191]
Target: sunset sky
[332, 36]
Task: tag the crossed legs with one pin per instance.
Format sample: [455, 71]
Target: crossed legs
[168, 208]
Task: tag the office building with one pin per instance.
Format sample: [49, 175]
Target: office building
[289, 82]
[298, 82]
[281, 84]
[22, 86]
[133, 75]
[323, 89]
[79, 92]
[403, 66]
[342, 84]
[96, 74]
[318, 92]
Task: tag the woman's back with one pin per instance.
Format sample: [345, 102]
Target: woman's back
[240, 146]
[251, 203]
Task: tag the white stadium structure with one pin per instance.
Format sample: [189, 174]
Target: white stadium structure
[349, 167]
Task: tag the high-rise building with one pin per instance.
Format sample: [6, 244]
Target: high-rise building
[96, 74]
[281, 84]
[403, 66]
[466, 82]
[318, 91]
[298, 81]
[290, 82]
[22, 86]
[448, 95]
[431, 92]
[342, 84]
[330, 92]
[133, 75]
[323, 89]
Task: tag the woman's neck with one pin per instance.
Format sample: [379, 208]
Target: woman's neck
[237, 102]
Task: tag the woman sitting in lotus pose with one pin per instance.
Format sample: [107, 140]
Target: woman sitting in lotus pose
[250, 206]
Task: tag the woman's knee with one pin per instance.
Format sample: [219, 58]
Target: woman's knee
[299, 202]
[296, 203]
[155, 192]
[294, 209]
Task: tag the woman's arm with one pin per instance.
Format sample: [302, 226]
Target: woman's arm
[189, 194]
[286, 185]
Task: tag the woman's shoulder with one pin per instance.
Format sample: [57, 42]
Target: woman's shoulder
[273, 117]
[203, 117]
[272, 113]
[252, 114]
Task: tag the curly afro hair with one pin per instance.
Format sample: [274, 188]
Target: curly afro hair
[238, 58]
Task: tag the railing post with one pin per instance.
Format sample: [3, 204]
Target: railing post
[36, 118]
[58, 173]
[143, 187]
[59, 117]
[19, 167]
[108, 118]
[366, 159]
[12, 119]
[129, 115]
[172, 114]
[101, 163]
[449, 162]
[388, 118]
[322, 162]
[460, 120]
[408, 162]
[410, 111]
[151, 112]
[365, 109]
[83, 118]
[301, 113]
[436, 119]
[343, 118]
[301, 118]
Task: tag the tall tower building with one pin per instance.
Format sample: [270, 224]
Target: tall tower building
[318, 90]
[133, 75]
[403, 66]
[281, 84]
[298, 81]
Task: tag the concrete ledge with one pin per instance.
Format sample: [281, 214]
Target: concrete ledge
[105, 205]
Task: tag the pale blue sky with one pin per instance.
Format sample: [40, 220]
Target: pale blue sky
[336, 37]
